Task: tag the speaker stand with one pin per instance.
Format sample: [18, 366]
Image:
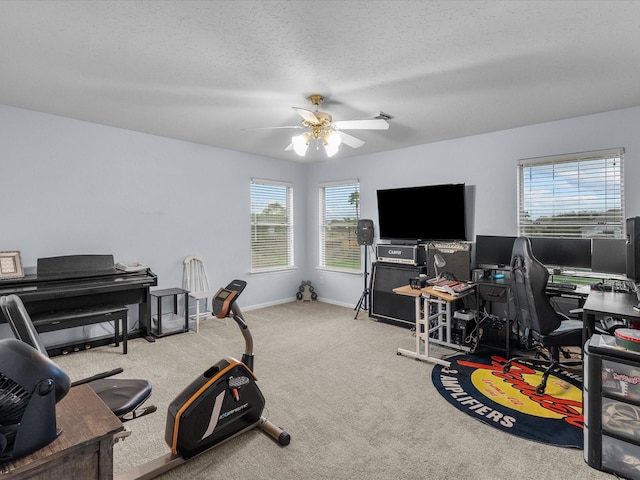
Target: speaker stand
[363, 303]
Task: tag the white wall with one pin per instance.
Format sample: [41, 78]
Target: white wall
[70, 187]
[486, 163]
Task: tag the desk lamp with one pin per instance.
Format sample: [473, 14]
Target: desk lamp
[438, 262]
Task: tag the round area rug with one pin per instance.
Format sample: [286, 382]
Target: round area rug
[475, 384]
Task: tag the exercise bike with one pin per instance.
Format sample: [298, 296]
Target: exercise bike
[217, 406]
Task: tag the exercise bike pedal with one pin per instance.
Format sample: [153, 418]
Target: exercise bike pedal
[141, 412]
[275, 432]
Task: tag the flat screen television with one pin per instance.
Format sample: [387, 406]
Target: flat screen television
[419, 214]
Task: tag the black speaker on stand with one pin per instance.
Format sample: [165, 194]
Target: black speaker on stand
[364, 234]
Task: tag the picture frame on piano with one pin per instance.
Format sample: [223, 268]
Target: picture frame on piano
[11, 265]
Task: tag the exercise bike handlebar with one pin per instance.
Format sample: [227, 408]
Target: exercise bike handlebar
[223, 304]
[247, 356]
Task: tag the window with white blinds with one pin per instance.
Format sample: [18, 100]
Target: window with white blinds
[271, 225]
[339, 214]
[577, 195]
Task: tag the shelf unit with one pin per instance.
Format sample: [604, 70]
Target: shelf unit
[439, 317]
[169, 323]
[611, 393]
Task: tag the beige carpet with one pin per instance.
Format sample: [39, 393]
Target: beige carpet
[355, 410]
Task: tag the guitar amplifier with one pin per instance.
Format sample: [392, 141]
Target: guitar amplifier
[456, 254]
[403, 254]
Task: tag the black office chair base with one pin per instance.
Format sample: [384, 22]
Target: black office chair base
[552, 366]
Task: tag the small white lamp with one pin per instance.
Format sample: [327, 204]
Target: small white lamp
[438, 262]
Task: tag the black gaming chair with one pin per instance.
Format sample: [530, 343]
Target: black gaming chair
[123, 396]
[548, 328]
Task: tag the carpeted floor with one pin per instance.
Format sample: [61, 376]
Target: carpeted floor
[355, 410]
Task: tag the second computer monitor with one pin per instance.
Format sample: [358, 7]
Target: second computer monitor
[493, 251]
[609, 255]
[562, 252]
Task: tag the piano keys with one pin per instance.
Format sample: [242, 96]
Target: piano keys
[77, 282]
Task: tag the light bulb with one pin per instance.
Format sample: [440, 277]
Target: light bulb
[300, 144]
[332, 143]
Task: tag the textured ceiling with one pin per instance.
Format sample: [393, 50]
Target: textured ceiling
[211, 71]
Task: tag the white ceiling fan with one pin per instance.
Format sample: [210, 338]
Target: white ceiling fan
[324, 131]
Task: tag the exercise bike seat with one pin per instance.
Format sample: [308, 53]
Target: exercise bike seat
[123, 396]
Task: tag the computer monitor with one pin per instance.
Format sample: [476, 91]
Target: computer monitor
[493, 251]
[609, 255]
[562, 252]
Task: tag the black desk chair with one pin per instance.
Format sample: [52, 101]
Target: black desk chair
[549, 329]
[123, 396]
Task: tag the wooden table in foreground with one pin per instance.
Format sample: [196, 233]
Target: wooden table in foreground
[84, 449]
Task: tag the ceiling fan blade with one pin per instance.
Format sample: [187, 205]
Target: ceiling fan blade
[272, 128]
[307, 115]
[350, 140]
[369, 124]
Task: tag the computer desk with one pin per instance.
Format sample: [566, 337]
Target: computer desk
[614, 304]
[495, 290]
[499, 291]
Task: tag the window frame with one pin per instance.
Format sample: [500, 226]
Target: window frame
[263, 202]
[576, 222]
[323, 253]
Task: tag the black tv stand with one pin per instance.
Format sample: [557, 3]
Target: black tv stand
[403, 242]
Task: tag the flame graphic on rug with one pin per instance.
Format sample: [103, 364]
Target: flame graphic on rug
[476, 385]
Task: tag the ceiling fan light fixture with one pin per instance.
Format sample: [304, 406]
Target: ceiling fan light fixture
[332, 141]
[300, 144]
[324, 132]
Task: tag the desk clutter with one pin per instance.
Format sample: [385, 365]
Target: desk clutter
[452, 287]
[446, 285]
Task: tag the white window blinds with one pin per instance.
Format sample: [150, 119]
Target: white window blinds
[339, 213]
[573, 196]
[271, 225]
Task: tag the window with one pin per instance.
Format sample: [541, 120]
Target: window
[339, 213]
[271, 225]
[578, 195]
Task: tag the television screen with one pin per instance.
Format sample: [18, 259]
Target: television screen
[420, 214]
[493, 251]
[562, 252]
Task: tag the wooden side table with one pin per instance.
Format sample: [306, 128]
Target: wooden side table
[421, 351]
[173, 322]
[83, 450]
[441, 319]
